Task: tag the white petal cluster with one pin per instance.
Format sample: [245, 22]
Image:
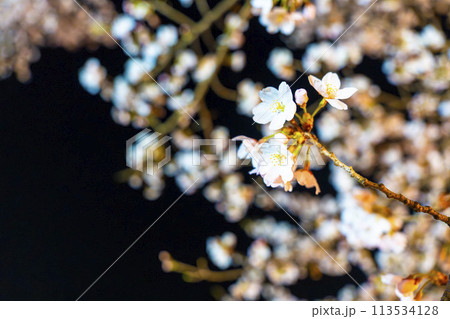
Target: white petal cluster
[277, 106]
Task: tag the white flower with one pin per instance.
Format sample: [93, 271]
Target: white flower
[122, 93]
[277, 106]
[122, 26]
[281, 63]
[262, 6]
[444, 108]
[276, 166]
[279, 19]
[135, 69]
[245, 289]
[258, 253]
[138, 10]
[220, 249]
[432, 37]
[272, 159]
[185, 61]
[92, 75]
[205, 69]
[247, 96]
[167, 35]
[238, 60]
[247, 147]
[180, 101]
[150, 52]
[330, 88]
[186, 3]
[282, 273]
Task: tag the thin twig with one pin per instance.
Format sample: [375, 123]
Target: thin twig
[171, 13]
[222, 91]
[196, 30]
[380, 187]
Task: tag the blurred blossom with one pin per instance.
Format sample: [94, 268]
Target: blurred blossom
[400, 139]
[248, 96]
[122, 26]
[186, 3]
[444, 108]
[167, 35]
[206, 67]
[137, 9]
[26, 25]
[238, 60]
[180, 101]
[220, 249]
[92, 75]
[281, 63]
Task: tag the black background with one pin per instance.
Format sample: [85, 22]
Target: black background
[63, 218]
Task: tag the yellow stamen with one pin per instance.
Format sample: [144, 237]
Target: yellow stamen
[278, 159]
[331, 91]
[277, 107]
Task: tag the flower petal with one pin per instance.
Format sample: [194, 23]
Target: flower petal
[287, 174]
[262, 113]
[289, 110]
[301, 96]
[284, 89]
[277, 122]
[337, 104]
[287, 28]
[345, 93]
[331, 79]
[318, 85]
[268, 94]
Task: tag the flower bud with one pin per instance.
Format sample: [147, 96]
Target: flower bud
[301, 97]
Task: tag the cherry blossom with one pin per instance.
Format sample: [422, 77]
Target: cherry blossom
[277, 106]
[330, 88]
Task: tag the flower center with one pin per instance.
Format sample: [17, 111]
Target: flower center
[331, 91]
[280, 18]
[278, 159]
[277, 107]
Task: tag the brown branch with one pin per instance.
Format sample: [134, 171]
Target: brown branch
[380, 187]
[167, 10]
[199, 272]
[196, 30]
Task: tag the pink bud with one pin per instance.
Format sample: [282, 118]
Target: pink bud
[301, 97]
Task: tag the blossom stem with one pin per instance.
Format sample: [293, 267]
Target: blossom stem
[265, 138]
[378, 186]
[299, 117]
[298, 149]
[199, 272]
[321, 105]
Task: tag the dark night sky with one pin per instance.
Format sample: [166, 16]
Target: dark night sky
[63, 218]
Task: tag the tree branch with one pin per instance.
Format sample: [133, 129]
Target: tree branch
[380, 187]
[196, 30]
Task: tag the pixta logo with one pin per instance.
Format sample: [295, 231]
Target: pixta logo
[148, 151]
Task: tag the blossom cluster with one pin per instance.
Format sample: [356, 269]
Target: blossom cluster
[394, 129]
[25, 25]
[399, 141]
[285, 16]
